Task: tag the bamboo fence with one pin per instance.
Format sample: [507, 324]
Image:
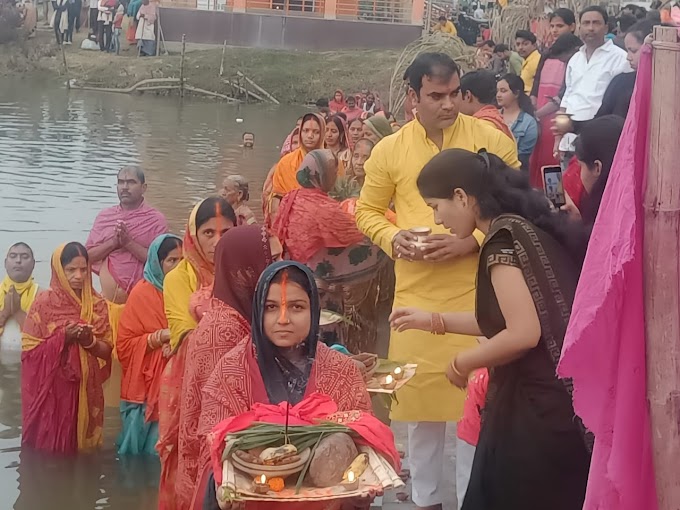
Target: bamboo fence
[661, 268]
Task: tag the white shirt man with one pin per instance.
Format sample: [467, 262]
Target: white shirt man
[589, 73]
[479, 12]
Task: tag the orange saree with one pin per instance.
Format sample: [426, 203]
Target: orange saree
[143, 315]
[285, 174]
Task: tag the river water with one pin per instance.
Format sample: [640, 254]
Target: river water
[59, 155]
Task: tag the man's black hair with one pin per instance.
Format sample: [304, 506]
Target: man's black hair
[322, 103]
[442, 18]
[526, 35]
[136, 170]
[481, 84]
[626, 21]
[501, 48]
[432, 65]
[567, 15]
[22, 244]
[406, 73]
[595, 8]
[247, 133]
[489, 43]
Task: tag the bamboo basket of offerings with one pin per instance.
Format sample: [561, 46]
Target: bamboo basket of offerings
[323, 461]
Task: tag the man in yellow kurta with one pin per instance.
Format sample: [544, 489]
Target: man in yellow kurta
[525, 43]
[445, 27]
[17, 293]
[445, 280]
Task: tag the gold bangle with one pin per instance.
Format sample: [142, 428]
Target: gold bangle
[455, 369]
[437, 326]
[88, 347]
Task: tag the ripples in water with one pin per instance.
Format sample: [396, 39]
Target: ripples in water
[59, 155]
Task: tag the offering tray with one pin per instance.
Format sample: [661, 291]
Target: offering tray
[375, 383]
[379, 475]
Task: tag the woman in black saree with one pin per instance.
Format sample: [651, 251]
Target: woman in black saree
[533, 453]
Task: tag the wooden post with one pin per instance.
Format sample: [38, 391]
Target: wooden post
[63, 57]
[662, 272]
[181, 66]
[224, 50]
[258, 88]
[158, 32]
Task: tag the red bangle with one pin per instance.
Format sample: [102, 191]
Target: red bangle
[437, 326]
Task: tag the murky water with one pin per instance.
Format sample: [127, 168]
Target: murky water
[59, 155]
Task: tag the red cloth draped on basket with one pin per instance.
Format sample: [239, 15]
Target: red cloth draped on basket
[312, 410]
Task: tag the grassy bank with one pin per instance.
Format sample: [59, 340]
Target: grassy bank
[291, 77]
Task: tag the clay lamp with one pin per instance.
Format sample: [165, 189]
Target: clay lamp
[398, 374]
[352, 482]
[389, 383]
[260, 485]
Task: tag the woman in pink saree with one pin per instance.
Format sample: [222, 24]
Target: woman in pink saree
[551, 81]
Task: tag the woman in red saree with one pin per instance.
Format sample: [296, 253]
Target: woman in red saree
[308, 219]
[315, 230]
[143, 346]
[241, 256]
[283, 362]
[66, 355]
[187, 291]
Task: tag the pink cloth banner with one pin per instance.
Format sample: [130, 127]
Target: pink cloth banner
[604, 349]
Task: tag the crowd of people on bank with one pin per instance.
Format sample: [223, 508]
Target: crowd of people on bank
[236, 312]
[107, 20]
[583, 76]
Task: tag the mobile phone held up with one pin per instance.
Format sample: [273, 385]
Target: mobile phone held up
[552, 184]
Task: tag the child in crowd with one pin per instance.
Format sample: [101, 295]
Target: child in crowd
[468, 430]
[117, 29]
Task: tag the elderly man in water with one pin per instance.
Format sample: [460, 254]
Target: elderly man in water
[119, 241]
[17, 292]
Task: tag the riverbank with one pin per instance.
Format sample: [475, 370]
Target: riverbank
[291, 77]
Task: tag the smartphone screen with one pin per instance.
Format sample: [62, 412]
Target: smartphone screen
[552, 184]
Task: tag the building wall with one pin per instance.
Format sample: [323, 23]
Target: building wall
[282, 32]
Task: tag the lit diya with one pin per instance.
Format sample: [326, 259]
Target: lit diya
[260, 485]
[389, 382]
[352, 482]
[398, 373]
